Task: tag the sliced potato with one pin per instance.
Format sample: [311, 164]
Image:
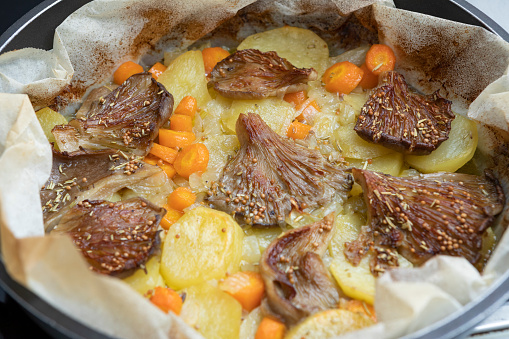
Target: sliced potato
[212, 312]
[251, 250]
[186, 76]
[302, 47]
[353, 146]
[278, 114]
[327, 324]
[250, 324]
[391, 163]
[48, 119]
[452, 153]
[141, 281]
[203, 244]
[356, 281]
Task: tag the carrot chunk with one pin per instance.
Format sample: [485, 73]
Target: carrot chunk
[170, 138]
[342, 77]
[157, 69]
[270, 329]
[166, 167]
[181, 123]
[180, 198]
[166, 299]
[171, 217]
[369, 80]
[380, 58]
[125, 70]
[187, 106]
[211, 56]
[247, 287]
[296, 98]
[298, 130]
[193, 158]
[166, 153]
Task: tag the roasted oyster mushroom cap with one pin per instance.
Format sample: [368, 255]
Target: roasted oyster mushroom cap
[252, 74]
[128, 118]
[426, 215]
[113, 237]
[297, 282]
[92, 174]
[404, 121]
[270, 175]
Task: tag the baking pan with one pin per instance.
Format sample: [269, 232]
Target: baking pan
[36, 29]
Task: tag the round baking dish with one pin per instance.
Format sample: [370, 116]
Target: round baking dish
[36, 29]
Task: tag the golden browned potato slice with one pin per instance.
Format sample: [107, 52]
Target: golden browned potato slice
[391, 163]
[452, 153]
[302, 47]
[186, 76]
[212, 312]
[328, 324]
[203, 244]
[353, 146]
[276, 113]
[48, 119]
[141, 281]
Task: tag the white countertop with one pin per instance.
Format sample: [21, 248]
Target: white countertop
[497, 10]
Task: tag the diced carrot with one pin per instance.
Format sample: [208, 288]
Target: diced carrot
[166, 167]
[166, 153]
[296, 98]
[309, 112]
[187, 106]
[342, 77]
[270, 329]
[298, 130]
[157, 70]
[151, 159]
[247, 287]
[171, 217]
[125, 70]
[166, 299]
[180, 198]
[192, 159]
[170, 138]
[181, 122]
[359, 306]
[380, 58]
[211, 56]
[369, 80]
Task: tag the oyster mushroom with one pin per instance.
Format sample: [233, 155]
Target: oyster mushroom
[127, 119]
[113, 237]
[297, 282]
[270, 175]
[404, 121]
[88, 174]
[252, 74]
[425, 215]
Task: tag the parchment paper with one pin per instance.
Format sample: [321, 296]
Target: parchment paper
[433, 54]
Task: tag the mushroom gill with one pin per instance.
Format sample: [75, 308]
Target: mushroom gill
[297, 282]
[92, 174]
[425, 215]
[128, 118]
[113, 237]
[270, 175]
[402, 120]
[252, 74]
